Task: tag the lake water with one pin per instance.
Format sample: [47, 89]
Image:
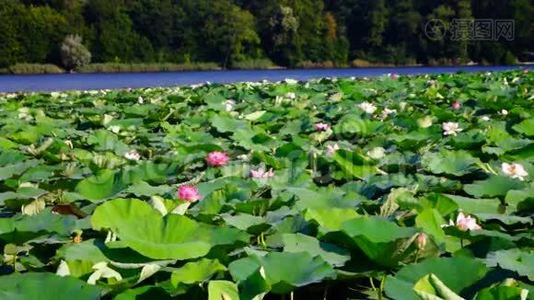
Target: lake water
[61, 82]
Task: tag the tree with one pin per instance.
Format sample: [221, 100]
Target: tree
[218, 31]
[155, 20]
[230, 32]
[286, 31]
[73, 52]
[11, 49]
[282, 32]
[115, 37]
[377, 20]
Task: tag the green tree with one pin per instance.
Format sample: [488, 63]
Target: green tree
[230, 33]
[43, 30]
[11, 48]
[115, 38]
[377, 21]
[154, 19]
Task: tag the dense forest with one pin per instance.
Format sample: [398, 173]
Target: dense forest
[286, 32]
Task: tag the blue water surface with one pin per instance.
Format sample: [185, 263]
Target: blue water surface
[61, 82]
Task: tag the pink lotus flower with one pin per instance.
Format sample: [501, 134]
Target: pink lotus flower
[261, 173]
[456, 105]
[188, 193]
[465, 223]
[421, 241]
[322, 126]
[217, 159]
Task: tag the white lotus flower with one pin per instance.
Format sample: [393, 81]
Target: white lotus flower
[367, 107]
[68, 143]
[115, 128]
[451, 128]
[63, 269]
[103, 271]
[403, 105]
[514, 170]
[106, 119]
[485, 118]
[425, 122]
[132, 155]
[331, 149]
[376, 153]
[291, 96]
[229, 105]
[25, 114]
[290, 81]
[386, 112]
[140, 100]
[243, 157]
[503, 112]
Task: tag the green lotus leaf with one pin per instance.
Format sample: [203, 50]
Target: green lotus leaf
[142, 188]
[22, 193]
[526, 127]
[330, 219]
[431, 222]
[45, 286]
[197, 271]
[100, 187]
[354, 165]
[304, 269]
[147, 291]
[220, 289]
[456, 163]
[18, 168]
[378, 238]
[400, 286]
[38, 173]
[144, 230]
[431, 287]
[493, 186]
[475, 206]
[23, 227]
[295, 243]
[244, 221]
[104, 140]
[502, 292]
[227, 124]
[322, 198]
[337, 212]
[513, 259]
[520, 199]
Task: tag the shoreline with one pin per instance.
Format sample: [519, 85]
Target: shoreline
[5, 72]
